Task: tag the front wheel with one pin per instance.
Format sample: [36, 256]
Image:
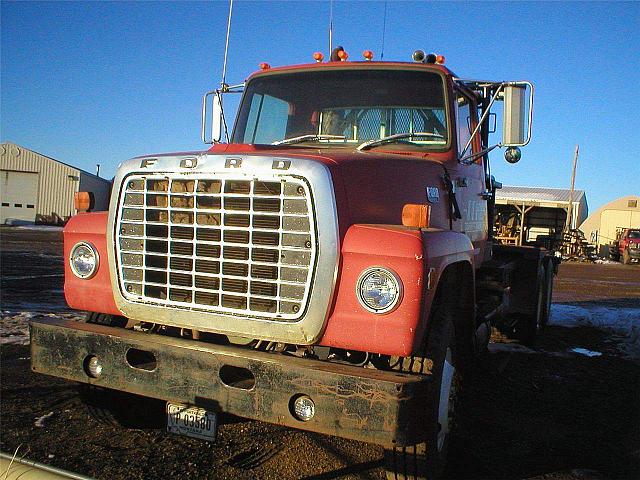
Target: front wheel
[427, 460]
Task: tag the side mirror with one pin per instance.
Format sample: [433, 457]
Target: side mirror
[212, 102]
[516, 126]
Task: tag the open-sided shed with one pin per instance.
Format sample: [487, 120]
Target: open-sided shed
[541, 211]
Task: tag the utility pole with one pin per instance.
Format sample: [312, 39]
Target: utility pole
[567, 226]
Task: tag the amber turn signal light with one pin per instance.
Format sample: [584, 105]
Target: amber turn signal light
[83, 201]
[414, 215]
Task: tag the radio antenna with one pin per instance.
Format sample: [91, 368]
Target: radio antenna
[330, 26]
[384, 30]
[226, 47]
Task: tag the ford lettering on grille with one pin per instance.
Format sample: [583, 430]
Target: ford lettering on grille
[229, 244]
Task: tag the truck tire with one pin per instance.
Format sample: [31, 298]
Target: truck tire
[626, 257]
[427, 460]
[121, 409]
[528, 325]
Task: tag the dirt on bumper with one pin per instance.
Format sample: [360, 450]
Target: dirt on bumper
[381, 407]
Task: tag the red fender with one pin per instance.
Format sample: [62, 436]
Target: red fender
[411, 254]
[94, 294]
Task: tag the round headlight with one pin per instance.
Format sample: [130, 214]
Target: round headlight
[379, 290]
[84, 260]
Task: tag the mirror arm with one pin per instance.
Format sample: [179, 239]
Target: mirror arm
[469, 159]
[479, 125]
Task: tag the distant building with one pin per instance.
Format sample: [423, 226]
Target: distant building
[542, 211]
[37, 188]
[602, 225]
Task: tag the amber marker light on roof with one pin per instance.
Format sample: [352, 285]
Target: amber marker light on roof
[415, 215]
[440, 59]
[368, 55]
[264, 66]
[343, 55]
[318, 56]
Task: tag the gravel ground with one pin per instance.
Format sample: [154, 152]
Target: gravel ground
[550, 412]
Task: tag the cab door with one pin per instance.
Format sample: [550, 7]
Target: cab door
[468, 177]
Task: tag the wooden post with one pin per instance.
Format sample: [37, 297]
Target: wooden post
[568, 224]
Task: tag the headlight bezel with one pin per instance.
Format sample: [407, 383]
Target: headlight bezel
[391, 275]
[94, 251]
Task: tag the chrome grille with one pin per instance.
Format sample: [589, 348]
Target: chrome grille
[219, 243]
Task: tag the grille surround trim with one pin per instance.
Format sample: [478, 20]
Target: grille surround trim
[308, 325]
[233, 249]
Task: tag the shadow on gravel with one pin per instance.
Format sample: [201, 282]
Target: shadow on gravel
[530, 413]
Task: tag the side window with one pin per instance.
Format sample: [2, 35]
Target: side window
[463, 120]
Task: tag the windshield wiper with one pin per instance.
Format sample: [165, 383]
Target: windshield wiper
[308, 138]
[393, 138]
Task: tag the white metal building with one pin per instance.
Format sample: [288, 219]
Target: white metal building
[36, 188]
[601, 226]
[542, 211]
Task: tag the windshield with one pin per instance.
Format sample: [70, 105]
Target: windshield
[634, 233]
[343, 108]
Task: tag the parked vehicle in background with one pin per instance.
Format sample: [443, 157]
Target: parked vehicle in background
[626, 246]
[330, 268]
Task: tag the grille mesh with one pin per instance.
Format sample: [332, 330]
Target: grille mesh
[215, 243]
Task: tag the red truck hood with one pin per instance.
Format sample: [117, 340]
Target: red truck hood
[371, 186]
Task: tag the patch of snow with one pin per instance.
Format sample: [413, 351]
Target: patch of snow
[38, 227]
[604, 261]
[14, 326]
[622, 323]
[28, 277]
[509, 348]
[585, 352]
[40, 420]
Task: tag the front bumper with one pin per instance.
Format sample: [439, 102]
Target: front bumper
[382, 407]
[634, 253]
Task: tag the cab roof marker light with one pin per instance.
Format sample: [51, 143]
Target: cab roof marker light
[264, 66]
[343, 55]
[440, 59]
[368, 55]
[318, 57]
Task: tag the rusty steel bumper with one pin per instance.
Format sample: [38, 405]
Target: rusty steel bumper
[374, 406]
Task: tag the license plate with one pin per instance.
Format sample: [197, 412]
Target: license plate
[191, 421]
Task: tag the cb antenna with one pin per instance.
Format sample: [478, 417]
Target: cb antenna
[330, 26]
[384, 30]
[226, 48]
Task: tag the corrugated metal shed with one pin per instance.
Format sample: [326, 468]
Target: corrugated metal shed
[36, 187]
[554, 196]
[601, 226]
[546, 198]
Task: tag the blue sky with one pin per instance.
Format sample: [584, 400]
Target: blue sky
[99, 82]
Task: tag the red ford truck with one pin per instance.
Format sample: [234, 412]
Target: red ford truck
[329, 267]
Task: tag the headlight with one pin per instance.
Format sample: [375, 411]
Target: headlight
[379, 290]
[84, 260]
